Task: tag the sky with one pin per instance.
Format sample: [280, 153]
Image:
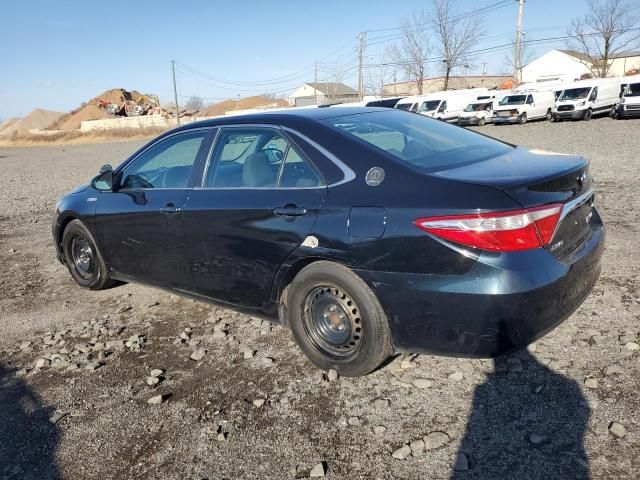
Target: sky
[57, 54]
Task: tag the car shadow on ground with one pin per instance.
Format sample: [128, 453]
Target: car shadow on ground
[28, 439]
[527, 422]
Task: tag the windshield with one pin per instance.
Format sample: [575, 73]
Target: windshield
[429, 105]
[477, 107]
[403, 106]
[513, 100]
[422, 143]
[575, 93]
[632, 90]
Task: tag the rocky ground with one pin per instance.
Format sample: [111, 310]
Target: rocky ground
[134, 382]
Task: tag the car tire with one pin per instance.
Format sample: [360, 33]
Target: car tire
[549, 116]
[336, 319]
[587, 115]
[481, 122]
[83, 259]
[522, 119]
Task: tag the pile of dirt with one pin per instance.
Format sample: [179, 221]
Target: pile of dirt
[242, 104]
[7, 123]
[39, 119]
[92, 109]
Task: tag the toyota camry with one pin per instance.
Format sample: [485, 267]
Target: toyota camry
[366, 231]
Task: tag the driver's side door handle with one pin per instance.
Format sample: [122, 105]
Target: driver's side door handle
[290, 211]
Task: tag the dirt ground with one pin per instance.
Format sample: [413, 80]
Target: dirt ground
[75, 365]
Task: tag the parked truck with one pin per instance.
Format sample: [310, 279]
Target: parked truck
[629, 103]
[583, 99]
[446, 105]
[524, 105]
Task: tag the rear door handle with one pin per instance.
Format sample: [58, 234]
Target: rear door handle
[290, 211]
[170, 209]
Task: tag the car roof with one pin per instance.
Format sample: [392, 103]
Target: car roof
[284, 116]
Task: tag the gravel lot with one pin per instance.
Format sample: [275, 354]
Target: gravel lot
[253, 407]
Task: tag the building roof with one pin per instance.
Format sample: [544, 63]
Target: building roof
[586, 58]
[578, 55]
[333, 88]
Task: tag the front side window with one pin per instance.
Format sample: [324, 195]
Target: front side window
[258, 158]
[594, 94]
[418, 141]
[530, 100]
[167, 164]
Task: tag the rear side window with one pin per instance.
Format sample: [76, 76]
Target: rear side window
[421, 142]
[258, 158]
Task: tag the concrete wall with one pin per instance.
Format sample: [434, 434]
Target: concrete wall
[136, 122]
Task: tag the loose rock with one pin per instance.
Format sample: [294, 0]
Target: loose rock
[157, 400]
[423, 383]
[417, 447]
[617, 430]
[591, 383]
[461, 463]
[435, 440]
[317, 471]
[537, 439]
[258, 402]
[402, 453]
[198, 355]
[332, 375]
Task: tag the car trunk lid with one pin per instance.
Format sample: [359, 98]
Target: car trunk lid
[534, 178]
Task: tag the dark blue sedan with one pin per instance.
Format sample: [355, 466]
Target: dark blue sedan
[366, 231]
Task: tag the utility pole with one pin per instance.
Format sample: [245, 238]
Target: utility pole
[315, 82]
[484, 72]
[517, 66]
[360, 55]
[175, 91]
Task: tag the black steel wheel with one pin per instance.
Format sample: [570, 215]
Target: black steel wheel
[332, 321]
[336, 319]
[83, 258]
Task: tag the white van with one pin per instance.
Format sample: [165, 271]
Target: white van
[446, 105]
[584, 98]
[477, 113]
[524, 105]
[629, 103]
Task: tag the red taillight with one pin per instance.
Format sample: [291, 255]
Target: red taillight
[499, 232]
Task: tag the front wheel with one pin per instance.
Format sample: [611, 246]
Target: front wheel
[336, 319]
[481, 122]
[587, 115]
[523, 119]
[82, 257]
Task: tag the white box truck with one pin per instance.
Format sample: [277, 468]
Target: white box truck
[583, 99]
[629, 103]
[444, 106]
[524, 105]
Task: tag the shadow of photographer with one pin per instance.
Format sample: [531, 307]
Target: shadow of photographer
[28, 440]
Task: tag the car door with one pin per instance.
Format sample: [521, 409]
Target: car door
[140, 222]
[258, 202]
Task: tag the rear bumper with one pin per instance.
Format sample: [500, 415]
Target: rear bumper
[503, 303]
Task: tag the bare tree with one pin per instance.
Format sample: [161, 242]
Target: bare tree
[512, 60]
[194, 103]
[456, 35]
[413, 53]
[607, 29]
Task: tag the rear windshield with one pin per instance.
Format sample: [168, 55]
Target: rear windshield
[426, 144]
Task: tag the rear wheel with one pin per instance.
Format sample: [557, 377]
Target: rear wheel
[523, 118]
[82, 257]
[549, 115]
[337, 320]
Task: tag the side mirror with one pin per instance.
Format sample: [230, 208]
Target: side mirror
[104, 180]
